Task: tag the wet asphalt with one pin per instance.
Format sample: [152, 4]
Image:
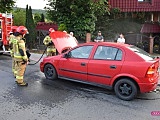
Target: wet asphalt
[64, 100]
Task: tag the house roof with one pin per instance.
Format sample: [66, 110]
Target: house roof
[46, 26]
[150, 27]
[135, 5]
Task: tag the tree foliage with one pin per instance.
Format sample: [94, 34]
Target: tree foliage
[6, 5]
[19, 17]
[42, 18]
[62, 27]
[78, 15]
[37, 18]
[31, 27]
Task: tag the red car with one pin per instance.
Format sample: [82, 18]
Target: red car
[124, 68]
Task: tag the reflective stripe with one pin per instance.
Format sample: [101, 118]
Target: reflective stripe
[15, 41]
[11, 51]
[15, 72]
[25, 57]
[51, 50]
[19, 77]
[18, 56]
[15, 46]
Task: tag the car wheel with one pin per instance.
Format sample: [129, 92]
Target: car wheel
[125, 89]
[50, 72]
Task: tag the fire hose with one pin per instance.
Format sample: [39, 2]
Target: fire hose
[39, 58]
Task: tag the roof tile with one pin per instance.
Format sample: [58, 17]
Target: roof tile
[150, 27]
[135, 6]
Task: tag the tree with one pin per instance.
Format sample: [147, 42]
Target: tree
[62, 27]
[37, 18]
[26, 23]
[27, 26]
[31, 27]
[19, 17]
[78, 15]
[6, 5]
[42, 18]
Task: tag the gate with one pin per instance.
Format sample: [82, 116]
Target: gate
[139, 40]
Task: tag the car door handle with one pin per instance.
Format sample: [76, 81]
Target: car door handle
[113, 66]
[83, 64]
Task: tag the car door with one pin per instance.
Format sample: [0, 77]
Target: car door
[75, 66]
[106, 63]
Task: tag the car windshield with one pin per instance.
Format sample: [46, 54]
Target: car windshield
[143, 54]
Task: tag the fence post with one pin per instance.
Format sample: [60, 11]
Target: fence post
[151, 44]
[88, 37]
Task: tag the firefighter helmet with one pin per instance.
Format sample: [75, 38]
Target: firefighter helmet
[14, 29]
[51, 30]
[22, 30]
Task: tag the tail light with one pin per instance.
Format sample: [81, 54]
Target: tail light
[152, 70]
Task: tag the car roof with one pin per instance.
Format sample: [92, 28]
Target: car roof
[106, 43]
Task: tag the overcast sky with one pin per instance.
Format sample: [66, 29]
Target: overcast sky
[35, 4]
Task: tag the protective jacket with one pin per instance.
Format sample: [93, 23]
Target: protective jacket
[11, 41]
[50, 45]
[11, 44]
[47, 40]
[20, 50]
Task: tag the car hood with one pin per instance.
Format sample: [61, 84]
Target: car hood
[62, 41]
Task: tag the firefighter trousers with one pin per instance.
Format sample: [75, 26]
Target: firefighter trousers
[13, 67]
[20, 68]
[51, 54]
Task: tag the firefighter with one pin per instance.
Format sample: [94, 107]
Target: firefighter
[11, 42]
[51, 51]
[20, 55]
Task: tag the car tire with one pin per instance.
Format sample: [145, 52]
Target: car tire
[50, 72]
[125, 89]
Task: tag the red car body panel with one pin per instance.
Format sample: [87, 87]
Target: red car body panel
[73, 69]
[50, 60]
[103, 71]
[100, 71]
[62, 40]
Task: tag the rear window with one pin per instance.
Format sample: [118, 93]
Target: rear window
[143, 54]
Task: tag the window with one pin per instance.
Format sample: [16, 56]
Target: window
[143, 54]
[108, 53]
[81, 52]
[144, 0]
